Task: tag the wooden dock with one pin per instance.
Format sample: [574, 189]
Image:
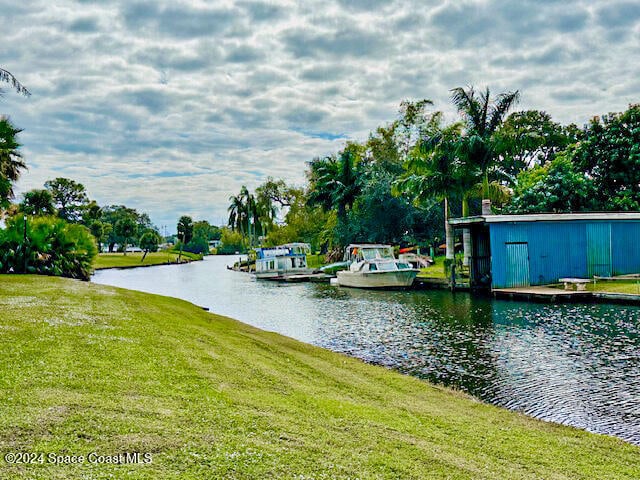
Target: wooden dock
[557, 295]
[307, 277]
[541, 294]
[424, 283]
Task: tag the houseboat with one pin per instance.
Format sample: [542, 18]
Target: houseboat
[278, 263]
[374, 266]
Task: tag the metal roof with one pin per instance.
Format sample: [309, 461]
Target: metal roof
[545, 217]
[368, 245]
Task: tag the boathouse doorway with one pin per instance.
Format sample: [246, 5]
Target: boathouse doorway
[480, 274]
[599, 249]
[517, 264]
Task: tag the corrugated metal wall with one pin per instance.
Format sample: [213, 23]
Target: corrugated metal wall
[517, 261]
[625, 247]
[598, 249]
[563, 249]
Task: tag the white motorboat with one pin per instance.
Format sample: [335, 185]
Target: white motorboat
[374, 266]
[278, 263]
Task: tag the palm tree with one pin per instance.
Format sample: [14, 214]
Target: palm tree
[322, 175]
[479, 145]
[334, 182]
[434, 171]
[7, 77]
[347, 183]
[236, 213]
[244, 214]
[482, 118]
[11, 162]
[38, 202]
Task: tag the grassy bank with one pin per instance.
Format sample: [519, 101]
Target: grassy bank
[87, 368]
[134, 259]
[615, 286]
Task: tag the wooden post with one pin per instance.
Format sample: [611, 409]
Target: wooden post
[453, 277]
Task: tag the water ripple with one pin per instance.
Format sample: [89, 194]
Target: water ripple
[571, 364]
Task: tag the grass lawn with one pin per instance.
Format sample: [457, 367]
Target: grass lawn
[437, 270]
[133, 259]
[434, 271]
[87, 368]
[615, 286]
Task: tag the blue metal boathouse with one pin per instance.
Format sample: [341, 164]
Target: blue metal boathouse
[538, 249]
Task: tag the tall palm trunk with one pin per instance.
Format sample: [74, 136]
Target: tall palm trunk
[466, 234]
[448, 232]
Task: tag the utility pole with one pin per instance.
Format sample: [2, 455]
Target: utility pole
[24, 244]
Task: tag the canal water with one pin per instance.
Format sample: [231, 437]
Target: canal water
[573, 364]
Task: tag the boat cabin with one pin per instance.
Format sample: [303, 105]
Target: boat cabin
[363, 251]
[282, 260]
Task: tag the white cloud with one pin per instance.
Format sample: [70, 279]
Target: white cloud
[171, 106]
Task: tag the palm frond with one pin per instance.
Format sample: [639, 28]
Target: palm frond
[467, 104]
[7, 77]
[496, 192]
[503, 103]
[484, 101]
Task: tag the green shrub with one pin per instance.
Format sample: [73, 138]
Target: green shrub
[197, 245]
[232, 242]
[52, 247]
[149, 241]
[315, 261]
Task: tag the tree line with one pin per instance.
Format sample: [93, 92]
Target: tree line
[402, 183]
[58, 229]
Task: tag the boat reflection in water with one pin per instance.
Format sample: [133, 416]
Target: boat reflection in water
[374, 266]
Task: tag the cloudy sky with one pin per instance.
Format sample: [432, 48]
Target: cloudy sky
[169, 107]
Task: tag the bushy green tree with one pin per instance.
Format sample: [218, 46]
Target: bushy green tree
[149, 242]
[197, 245]
[609, 152]
[110, 215]
[203, 232]
[91, 213]
[380, 217]
[231, 242]
[47, 246]
[530, 138]
[304, 223]
[203, 229]
[126, 229]
[100, 231]
[555, 187]
[70, 198]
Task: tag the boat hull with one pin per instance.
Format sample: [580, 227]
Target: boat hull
[282, 275]
[380, 279]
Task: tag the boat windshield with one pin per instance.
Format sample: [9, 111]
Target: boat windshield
[300, 250]
[375, 253]
[386, 266]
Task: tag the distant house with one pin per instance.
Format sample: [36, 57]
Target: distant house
[214, 243]
[538, 249]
